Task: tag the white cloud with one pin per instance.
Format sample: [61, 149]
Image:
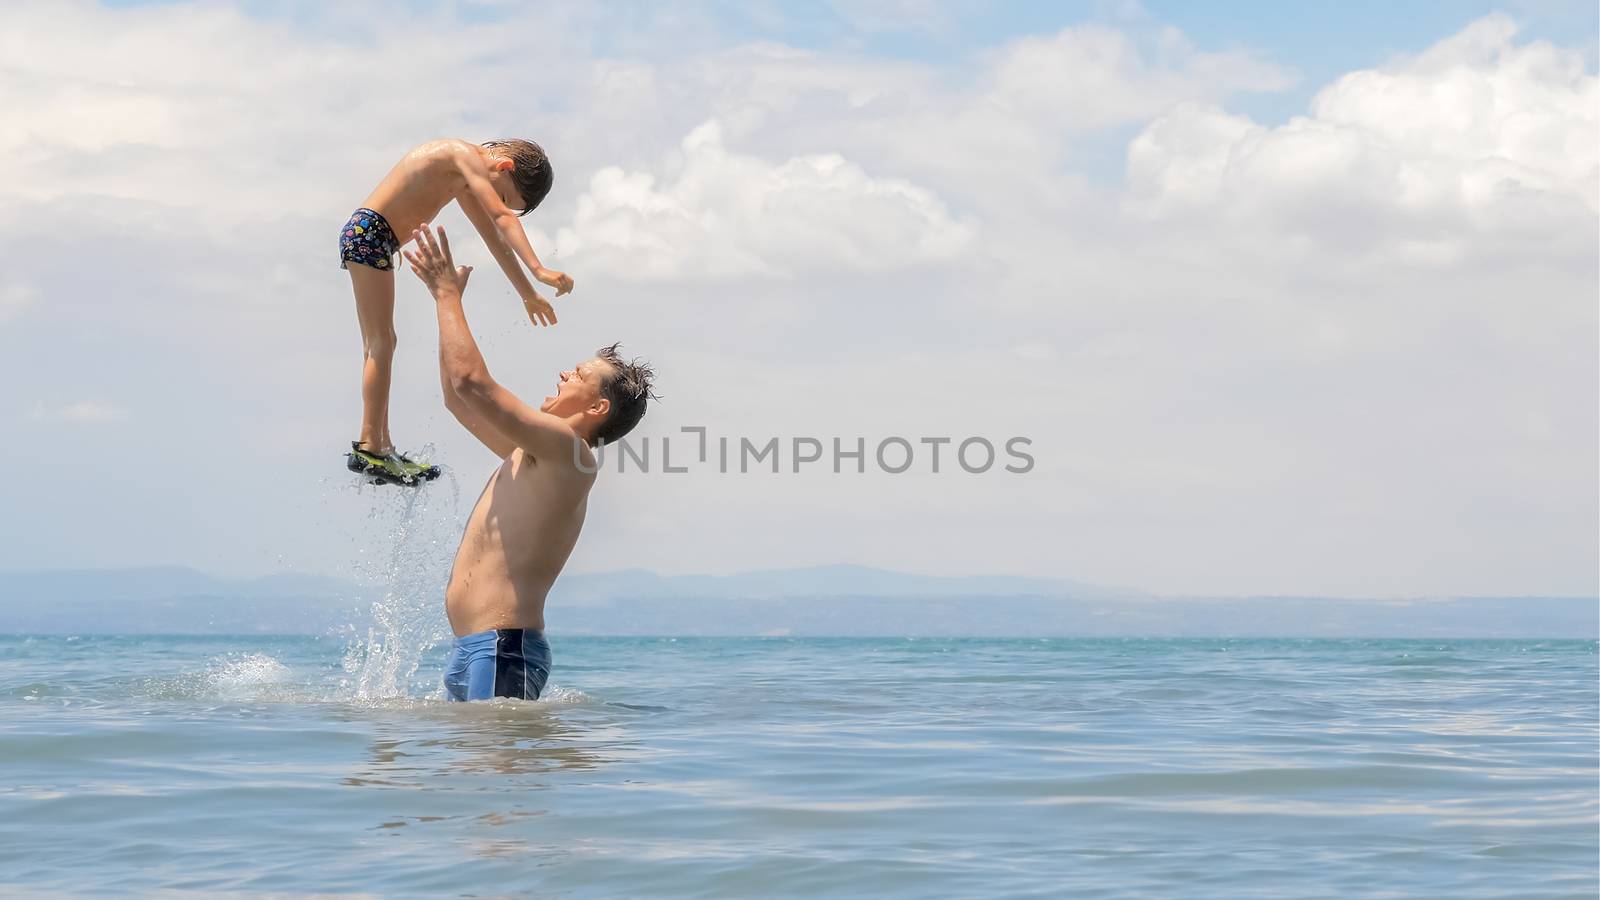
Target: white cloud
[1223, 398]
[84, 412]
[1000, 120]
[14, 298]
[723, 215]
[1475, 142]
[200, 106]
[896, 15]
[1090, 77]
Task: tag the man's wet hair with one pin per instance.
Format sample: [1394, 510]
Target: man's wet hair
[532, 175]
[629, 386]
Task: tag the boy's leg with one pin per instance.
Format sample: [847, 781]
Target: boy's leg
[374, 290]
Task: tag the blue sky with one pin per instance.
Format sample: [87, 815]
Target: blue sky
[1290, 298]
[1322, 40]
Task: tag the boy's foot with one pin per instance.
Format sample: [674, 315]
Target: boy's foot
[415, 469]
[388, 467]
[362, 460]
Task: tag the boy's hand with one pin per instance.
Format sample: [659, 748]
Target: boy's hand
[540, 312]
[434, 265]
[561, 281]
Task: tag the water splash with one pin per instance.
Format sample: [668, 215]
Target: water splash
[419, 528]
[246, 671]
[234, 677]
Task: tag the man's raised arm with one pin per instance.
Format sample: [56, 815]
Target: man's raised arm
[487, 434]
[461, 364]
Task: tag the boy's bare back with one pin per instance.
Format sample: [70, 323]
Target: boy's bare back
[483, 180]
[423, 181]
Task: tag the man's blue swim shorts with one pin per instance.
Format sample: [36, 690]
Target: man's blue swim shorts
[505, 662]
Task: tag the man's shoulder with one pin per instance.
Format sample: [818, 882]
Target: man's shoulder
[584, 462]
[578, 464]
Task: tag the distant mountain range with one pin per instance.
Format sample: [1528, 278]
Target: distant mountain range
[829, 600]
[158, 583]
[175, 600]
[820, 581]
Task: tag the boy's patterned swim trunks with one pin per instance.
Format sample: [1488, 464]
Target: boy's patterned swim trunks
[368, 240]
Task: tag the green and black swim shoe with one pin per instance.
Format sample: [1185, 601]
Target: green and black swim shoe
[414, 469]
[388, 468]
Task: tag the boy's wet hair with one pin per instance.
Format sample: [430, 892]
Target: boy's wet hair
[532, 174]
[629, 388]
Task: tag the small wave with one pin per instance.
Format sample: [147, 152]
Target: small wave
[259, 677]
[36, 690]
[238, 676]
[250, 669]
[564, 696]
[436, 701]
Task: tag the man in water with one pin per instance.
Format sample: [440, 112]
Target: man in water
[528, 518]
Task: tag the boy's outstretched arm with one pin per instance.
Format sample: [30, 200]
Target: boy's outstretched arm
[509, 226]
[470, 163]
[539, 309]
[510, 420]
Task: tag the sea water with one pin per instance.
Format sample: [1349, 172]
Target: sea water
[802, 767]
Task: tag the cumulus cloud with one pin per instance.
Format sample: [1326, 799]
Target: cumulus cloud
[973, 126]
[895, 15]
[84, 412]
[14, 298]
[1089, 77]
[1478, 137]
[722, 214]
[1220, 400]
[191, 106]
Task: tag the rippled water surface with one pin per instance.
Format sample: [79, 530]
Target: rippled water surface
[778, 767]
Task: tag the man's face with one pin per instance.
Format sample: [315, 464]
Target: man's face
[577, 389]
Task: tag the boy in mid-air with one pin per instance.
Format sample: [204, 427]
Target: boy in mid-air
[495, 183]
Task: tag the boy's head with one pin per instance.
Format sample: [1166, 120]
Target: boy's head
[529, 175]
[609, 392]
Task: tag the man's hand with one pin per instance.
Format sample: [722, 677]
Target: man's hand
[561, 281]
[432, 263]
